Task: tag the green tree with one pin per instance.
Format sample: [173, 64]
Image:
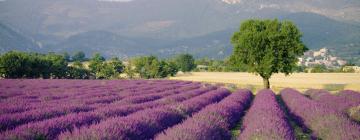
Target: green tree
[77, 73]
[110, 70]
[117, 65]
[143, 66]
[265, 47]
[37, 66]
[107, 71]
[58, 65]
[14, 64]
[151, 67]
[319, 69]
[79, 56]
[66, 56]
[171, 68]
[96, 63]
[300, 69]
[185, 62]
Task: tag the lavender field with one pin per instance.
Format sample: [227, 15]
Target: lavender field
[171, 110]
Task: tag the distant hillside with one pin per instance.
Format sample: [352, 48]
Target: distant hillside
[12, 40]
[107, 43]
[343, 39]
[318, 32]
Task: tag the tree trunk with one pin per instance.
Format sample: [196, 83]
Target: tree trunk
[266, 83]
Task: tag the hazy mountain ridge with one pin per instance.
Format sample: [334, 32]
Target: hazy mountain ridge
[160, 18]
[13, 40]
[167, 27]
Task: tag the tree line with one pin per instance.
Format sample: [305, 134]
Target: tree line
[15, 64]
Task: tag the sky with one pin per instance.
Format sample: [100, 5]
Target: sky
[116, 0]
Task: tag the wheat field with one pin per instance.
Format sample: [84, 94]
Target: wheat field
[301, 81]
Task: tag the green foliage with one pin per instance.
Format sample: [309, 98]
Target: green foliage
[79, 56]
[171, 68]
[66, 56]
[185, 62]
[117, 65]
[96, 63]
[300, 69]
[12, 64]
[74, 72]
[58, 65]
[211, 65]
[265, 47]
[167, 69]
[151, 67]
[77, 71]
[111, 69]
[32, 65]
[105, 70]
[319, 69]
[143, 66]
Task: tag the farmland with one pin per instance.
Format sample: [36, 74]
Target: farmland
[301, 81]
[171, 109]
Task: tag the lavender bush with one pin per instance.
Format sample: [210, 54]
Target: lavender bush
[145, 124]
[213, 122]
[325, 122]
[342, 102]
[48, 129]
[266, 120]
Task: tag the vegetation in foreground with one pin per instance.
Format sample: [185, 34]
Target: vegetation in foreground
[55, 66]
[162, 109]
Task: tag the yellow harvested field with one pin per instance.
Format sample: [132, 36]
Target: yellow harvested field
[301, 81]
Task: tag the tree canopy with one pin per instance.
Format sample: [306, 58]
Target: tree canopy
[151, 67]
[79, 56]
[185, 62]
[265, 47]
[16, 64]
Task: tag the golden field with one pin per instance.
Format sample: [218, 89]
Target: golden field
[301, 81]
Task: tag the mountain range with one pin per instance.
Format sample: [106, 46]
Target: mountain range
[127, 28]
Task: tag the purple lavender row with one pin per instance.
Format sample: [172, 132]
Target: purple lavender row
[325, 123]
[266, 120]
[350, 94]
[213, 122]
[145, 124]
[340, 102]
[16, 105]
[10, 121]
[94, 99]
[148, 96]
[63, 84]
[100, 92]
[110, 111]
[49, 129]
[89, 93]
